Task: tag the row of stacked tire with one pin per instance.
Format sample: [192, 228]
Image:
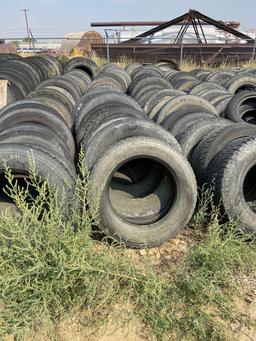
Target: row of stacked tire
[38, 125]
[144, 163]
[212, 115]
[150, 134]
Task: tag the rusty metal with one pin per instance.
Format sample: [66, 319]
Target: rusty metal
[202, 31]
[126, 23]
[147, 23]
[190, 16]
[195, 52]
[182, 31]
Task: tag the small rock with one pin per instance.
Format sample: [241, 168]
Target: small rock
[249, 299]
[175, 241]
[142, 252]
[152, 252]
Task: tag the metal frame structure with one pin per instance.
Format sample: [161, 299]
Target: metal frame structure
[203, 50]
[197, 20]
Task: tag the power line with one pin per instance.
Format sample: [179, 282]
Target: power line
[27, 25]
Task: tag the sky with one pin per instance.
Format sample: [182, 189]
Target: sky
[57, 17]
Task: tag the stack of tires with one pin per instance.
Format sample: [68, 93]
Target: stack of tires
[148, 133]
[38, 130]
[112, 77]
[25, 74]
[174, 109]
[144, 188]
[83, 64]
[7, 56]
[219, 144]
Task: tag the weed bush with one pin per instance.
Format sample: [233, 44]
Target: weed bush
[50, 268]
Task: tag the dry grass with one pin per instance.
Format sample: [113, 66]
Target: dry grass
[189, 65]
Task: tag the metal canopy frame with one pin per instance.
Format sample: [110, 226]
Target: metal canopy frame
[196, 19]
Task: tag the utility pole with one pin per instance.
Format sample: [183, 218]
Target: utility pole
[26, 22]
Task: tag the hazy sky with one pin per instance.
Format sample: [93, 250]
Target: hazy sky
[57, 17]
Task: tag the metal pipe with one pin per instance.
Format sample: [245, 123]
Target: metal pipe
[126, 23]
[254, 50]
[107, 44]
[132, 23]
[181, 52]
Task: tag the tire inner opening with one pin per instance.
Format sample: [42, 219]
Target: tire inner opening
[248, 111]
[20, 180]
[85, 69]
[249, 188]
[142, 191]
[246, 87]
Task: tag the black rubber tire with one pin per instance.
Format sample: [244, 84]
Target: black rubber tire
[159, 99]
[132, 68]
[27, 69]
[15, 87]
[193, 134]
[185, 104]
[143, 96]
[137, 86]
[84, 64]
[115, 76]
[38, 136]
[17, 81]
[101, 116]
[206, 86]
[91, 93]
[177, 216]
[164, 63]
[176, 123]
[90, 102]
[239, 83]
[65, 82]
[81, 78]
[104, 138]
[106, 82]
[186, 83]
[150, 68]
[18, 158]
[41, 66]
[118, 71]
[57, 96]
[241, 104]
[210, 95]
[220, 103]
[219, 76]
[22, 113]
[232, 176]
[140, 78]
[213, 143]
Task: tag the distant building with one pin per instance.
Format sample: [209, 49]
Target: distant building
[25, 47]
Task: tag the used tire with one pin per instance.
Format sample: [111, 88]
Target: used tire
[213, 143]
[179, 211]
[232, 176]
[242, 107]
